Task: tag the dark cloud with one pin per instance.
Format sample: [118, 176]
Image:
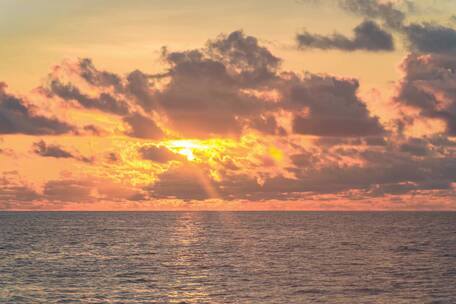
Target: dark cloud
[159, 154]
[103, 102]
[333, 108]
[420, 37]
[139, 86]
[385, 11]
[423, 37]
[367, 36]
[430, 38]
[49, 150]
[429, 85]
[92, 129]
[221, 90]
[335, 126]
[18, 118]
[113, 157]
[143, 127]
[98, 78]
[204, 97]
[267, 125]
[416, 147]
[243, 53]
[375, 141]
[45, 150]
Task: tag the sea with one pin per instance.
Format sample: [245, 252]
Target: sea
[228, 257]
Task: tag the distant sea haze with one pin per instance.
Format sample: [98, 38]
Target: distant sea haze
[228, 257]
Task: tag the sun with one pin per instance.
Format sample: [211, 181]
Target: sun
[187, 147]
[188, 153]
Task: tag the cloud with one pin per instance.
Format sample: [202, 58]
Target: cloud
[333, 107]
[204, 95]
[104, 102]
[185, 182]
[96, 77]
[267, 125]
[280, 134]
[159, 154]
[68, 190]
[50, 150]
[335, 126]
[430, 38]
[330, 179]
[143, 127]
[231, 85]
[13, 189]
[240, 52]
[140, 87]
[425, 37]
[416, 147]
[87, 191]
[16, 117]
[367, 36]
[428, 85]
[45, 150]
[386, 11]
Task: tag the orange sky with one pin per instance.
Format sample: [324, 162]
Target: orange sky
[252, 105]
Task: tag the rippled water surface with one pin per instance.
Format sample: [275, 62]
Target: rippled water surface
[198, 257]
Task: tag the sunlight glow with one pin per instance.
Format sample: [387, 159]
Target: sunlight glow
[187, 152]
[186, 147]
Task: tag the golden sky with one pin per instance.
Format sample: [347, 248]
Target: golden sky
[238, 105]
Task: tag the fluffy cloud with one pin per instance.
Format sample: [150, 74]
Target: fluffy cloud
[204, 95]
[333, 108]
[428, 85]
[231, 85]
[267, 133]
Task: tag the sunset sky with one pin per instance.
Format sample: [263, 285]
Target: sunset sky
[228, 105]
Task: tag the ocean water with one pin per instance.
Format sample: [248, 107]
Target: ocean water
[224, 257]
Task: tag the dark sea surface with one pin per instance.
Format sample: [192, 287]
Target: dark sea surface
[225, 257]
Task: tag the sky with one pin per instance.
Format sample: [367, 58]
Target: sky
[238, 105]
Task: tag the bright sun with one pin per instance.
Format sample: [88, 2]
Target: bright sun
[186, 147]
[187, 152]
